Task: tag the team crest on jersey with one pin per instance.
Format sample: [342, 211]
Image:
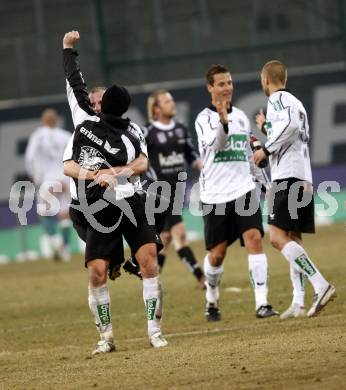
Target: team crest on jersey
[90, 158]
[241, 123]
[162, 138]
[179, 132]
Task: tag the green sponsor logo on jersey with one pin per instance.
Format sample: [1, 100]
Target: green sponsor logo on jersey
[269, 129]
[151, 307]
[235, 149]
[304, 263]
[277, 105]
[103, 312]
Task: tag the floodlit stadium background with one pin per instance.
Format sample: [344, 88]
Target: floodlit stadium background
[169, 43]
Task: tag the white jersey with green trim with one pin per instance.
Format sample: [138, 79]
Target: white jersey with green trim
[226, 173]
[288, 136]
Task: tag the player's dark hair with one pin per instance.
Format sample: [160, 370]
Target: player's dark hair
[213, 70]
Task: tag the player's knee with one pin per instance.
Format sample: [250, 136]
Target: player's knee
[165, 237]
[253, 241]
[179, 239]
[216, 258]
[276, 241]
[147, 259]
[97, 276]
[278, 237]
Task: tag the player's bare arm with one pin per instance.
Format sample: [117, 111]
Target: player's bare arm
[74, 170]
[134, 168]
[138, 166]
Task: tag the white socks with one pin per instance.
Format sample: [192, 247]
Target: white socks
[299, 259]
[298, 284]
[152, 295]
[213, 278]
[99, 303]
[258, 268]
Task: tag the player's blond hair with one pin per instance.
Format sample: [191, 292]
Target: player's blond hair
[97, 89]
[276, 71]
[152, 102]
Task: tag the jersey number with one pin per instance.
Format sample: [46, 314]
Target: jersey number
[303, 134]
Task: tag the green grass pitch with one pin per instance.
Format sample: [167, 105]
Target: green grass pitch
[47, 333]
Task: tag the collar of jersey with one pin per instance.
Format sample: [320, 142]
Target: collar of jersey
[213, 108]
[163, 126]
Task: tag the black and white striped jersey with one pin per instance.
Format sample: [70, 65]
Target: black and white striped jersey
[169, 148]
[99, 141]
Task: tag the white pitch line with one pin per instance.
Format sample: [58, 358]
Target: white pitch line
[189, 333]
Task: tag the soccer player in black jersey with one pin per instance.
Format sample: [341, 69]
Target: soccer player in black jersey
[177, 151]
[169, 148]
[101, 214]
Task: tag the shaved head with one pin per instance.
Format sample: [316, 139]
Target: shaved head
[276, 72]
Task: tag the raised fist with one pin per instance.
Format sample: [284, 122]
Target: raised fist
[70, 39]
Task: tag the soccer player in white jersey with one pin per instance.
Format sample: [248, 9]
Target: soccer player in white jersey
[226, 186]
[43, 160]
[291, 202]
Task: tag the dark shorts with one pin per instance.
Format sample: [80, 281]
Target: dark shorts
[170, 221]
[285, 214]
[225, 223]
[165, 220]
[109, 245]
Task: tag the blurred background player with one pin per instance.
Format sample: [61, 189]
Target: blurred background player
[43, 160]
[169, 148]
[287, 130]
[223, 133]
